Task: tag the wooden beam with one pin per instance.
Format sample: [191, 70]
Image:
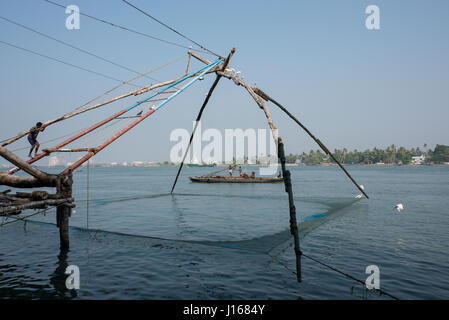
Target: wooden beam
[33, 205]
[26, 182]
[198, 118]
[11, 157]
[198, 57]
[266, 97]
[51, 150]
[239, 82]
[281, 156]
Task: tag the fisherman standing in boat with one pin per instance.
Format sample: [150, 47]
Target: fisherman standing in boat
[230, 170]
[32, 138]
[240, 170]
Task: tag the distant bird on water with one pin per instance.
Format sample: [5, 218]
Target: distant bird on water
[399, 207]
[360, 195]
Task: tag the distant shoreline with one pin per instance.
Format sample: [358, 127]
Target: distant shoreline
[250, 165]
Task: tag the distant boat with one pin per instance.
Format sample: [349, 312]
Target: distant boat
[195, 165]
[229, 179]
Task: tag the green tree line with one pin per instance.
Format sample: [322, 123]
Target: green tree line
[390, 155]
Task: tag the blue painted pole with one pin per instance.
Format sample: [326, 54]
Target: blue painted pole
[207, 68]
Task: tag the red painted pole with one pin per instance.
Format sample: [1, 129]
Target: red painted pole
[70, 140]
[107, 142]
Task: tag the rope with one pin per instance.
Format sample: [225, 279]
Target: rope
[92, 138]
[51, 140]
[76, 48]
[67, 63]
[264, 96]
[106, 93]
[127, 29]
[167, 26]
[135, 78]
[348, 275]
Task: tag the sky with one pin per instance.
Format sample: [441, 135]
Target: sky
[352, 87]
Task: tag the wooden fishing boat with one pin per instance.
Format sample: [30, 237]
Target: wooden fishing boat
[224, 179]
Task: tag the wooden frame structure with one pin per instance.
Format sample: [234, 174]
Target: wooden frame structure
[12, 204]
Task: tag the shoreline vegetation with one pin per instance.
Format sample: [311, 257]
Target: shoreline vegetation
[391, 156]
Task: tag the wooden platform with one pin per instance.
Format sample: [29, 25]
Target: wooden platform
[13, 204]
[223, 179]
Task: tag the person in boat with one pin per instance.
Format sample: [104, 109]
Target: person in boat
[244, 175]
[32, 138]
[240, 170]
[230, 170]
[253, 175]
[280, 175]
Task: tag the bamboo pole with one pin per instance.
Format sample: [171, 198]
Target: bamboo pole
[281, 156]
[70, 140]
[78, 163]
[98, 105]
[51, 150]
[198, 118]
[322, 146]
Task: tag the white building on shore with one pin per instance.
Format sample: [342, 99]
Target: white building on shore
[417, 160]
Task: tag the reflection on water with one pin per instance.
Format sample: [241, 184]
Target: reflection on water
[58, 277]
[231, 242]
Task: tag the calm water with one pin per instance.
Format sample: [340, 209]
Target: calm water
[226, 241]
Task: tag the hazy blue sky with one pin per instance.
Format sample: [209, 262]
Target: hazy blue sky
[352, 87]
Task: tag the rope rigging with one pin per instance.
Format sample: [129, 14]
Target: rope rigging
[67, 63]
[127, 29]
[76, 48]
[95, 130]
[197, 75]
[172, 29]
[135, 78]
[79, 109]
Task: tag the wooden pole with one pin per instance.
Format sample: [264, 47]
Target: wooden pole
[25, 182]
[70, 140]
[322, 146]
[19, 206]
[98, 105]
[198, 118]
[292, 208]
[64, 211]
[78, 163]
[11, 157]
[281, 156]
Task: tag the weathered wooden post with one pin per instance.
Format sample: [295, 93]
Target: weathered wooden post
[64, 211]
[292, 208]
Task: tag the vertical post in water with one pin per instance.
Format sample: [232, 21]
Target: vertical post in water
[293, 223]
[64, 211]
